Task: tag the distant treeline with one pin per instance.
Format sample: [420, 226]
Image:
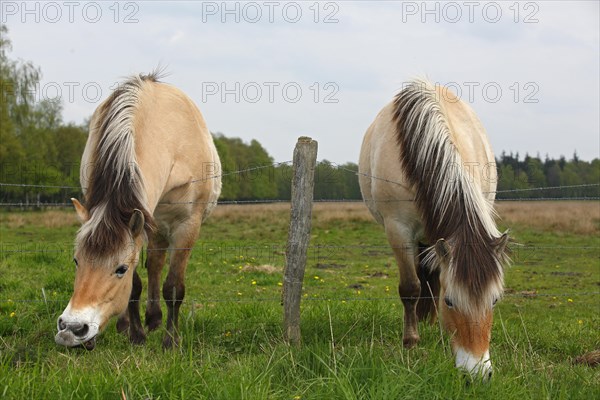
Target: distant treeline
[249, 173]
[40, 156]
[516, 176]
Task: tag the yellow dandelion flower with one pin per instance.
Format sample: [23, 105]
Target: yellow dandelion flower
[358, 292]
[239, 293]
[343, 301]
[12, 314]
[279, 283]
[570, 300]
[316, 277]
[580, 321]
[253, 282]
[387, 288]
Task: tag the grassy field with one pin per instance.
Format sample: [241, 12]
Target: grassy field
[232, 344]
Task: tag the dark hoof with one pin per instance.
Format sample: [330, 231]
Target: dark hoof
[153, 322]
[138, 337]
[122, 325]
[170, 341]
[409, 343]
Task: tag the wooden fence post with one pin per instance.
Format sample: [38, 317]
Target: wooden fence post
[303, 181]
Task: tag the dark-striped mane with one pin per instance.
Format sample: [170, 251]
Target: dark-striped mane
[115, 186]
[451, 204]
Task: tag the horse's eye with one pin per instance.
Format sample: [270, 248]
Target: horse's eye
[448, 302]
[76, 263]
[121, 270]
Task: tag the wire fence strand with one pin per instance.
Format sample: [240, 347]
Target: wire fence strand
[523, 294]
[322, 162]
[212, 248]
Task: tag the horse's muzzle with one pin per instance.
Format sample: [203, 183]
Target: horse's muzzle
[75, 334]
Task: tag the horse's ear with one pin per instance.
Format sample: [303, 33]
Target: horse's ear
[82, 213]
[136, 222]
[442, 251]
[502, 242]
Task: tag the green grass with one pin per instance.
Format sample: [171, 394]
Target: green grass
[232, 345]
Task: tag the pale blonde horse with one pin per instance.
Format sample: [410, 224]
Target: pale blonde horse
[427, 174]
[149, 170]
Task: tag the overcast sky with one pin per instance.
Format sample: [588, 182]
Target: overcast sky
[277, 70]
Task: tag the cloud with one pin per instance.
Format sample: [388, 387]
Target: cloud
[367, 54]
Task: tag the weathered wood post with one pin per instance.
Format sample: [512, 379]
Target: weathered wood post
[303, 182]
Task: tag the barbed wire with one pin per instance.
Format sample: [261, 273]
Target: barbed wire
[24, 204]
[216, 248]
[322, 162]
[241, 171]
[523, 294]
[38, 186]
[237, 172]
[540, 188]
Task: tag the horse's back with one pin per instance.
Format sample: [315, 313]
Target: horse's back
[175, 148]
[471, 140]
[383, 181]
[383, 184]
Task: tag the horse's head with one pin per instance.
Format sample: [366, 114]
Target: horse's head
[466, 302]
[103, 282]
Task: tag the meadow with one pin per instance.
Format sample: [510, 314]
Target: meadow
[231, 324]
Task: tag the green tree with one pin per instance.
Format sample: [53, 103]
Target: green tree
[35, 147]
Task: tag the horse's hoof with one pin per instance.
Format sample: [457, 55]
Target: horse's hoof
[410, 342]
[137, 337]
[122, 325]
[152, 323]
[170, 341]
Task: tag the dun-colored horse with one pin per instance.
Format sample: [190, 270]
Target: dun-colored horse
[150, 171]
[427, 174]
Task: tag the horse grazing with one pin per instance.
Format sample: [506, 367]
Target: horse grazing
[427, 174]
[149, 171]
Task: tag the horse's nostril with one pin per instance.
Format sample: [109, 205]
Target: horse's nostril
[61, 325]
[489, 374]
[81, 331]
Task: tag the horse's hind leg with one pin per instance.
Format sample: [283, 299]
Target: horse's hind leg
[174, 287]
[405, 252]
[157, 253]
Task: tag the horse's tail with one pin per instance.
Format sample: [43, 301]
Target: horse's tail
[430, 287]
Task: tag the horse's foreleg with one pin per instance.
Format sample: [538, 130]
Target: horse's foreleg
[136, 331]
[155, 261]
[409, 288]
[129, 320]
